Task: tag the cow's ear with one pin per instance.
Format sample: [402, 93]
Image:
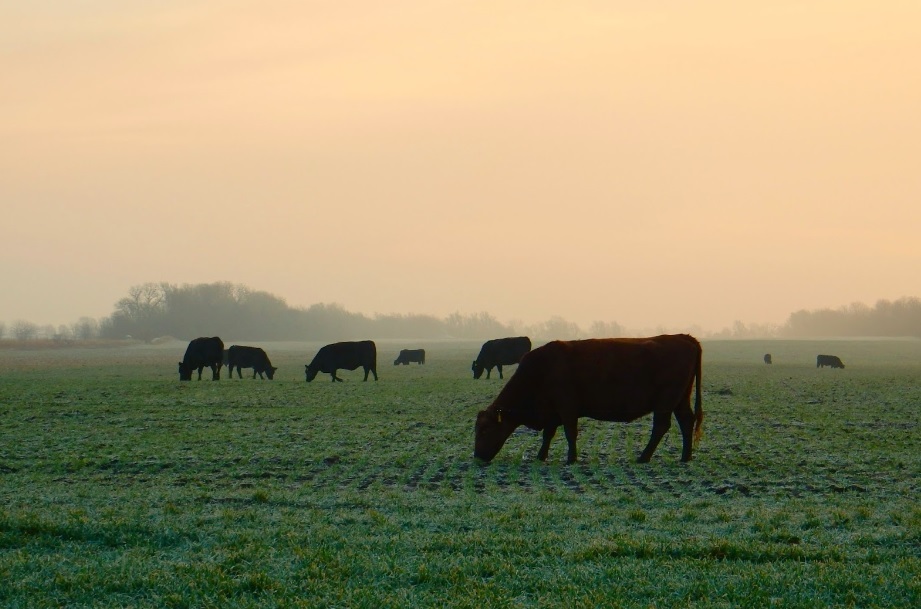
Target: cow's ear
[498, 416]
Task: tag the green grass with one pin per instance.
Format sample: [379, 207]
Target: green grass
[120, 486]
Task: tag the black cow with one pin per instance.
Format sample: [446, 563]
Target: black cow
[410, 355]
[828, 360]
[608, 379]
[500, 352]
[346, 355]
[202, 352]
[250, 357]
[767, 358]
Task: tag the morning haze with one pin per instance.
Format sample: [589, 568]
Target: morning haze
[663, 164]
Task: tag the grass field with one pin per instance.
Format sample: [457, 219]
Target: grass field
[121, 487]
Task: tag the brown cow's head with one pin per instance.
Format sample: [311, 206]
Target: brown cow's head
[491, 431]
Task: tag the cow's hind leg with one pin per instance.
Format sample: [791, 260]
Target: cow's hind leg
[499, 368]
[571, 429]
[685, 417]
[660, 424]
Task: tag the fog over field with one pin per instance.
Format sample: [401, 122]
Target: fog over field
[663, 164]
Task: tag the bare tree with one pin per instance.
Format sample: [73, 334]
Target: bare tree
[24, 330]
[142, 300]
[85, 328]
[2, 329]
[142, 305]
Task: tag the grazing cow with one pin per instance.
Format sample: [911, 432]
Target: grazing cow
[608, 379]
[767, 358]
[202, 352]
[828, 360]
[250, 357]
[346, 355]
[500, 352]
[410, 355]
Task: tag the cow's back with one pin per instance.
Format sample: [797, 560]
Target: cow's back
[503, 350]
[606, 379]
[248, 357]
[204, 350]
[348, 355]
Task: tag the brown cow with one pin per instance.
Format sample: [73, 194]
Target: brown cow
[609, 379]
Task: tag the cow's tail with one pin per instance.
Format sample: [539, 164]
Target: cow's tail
[698, 409]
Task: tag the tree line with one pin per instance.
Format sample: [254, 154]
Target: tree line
[238, 313]
[900, 317]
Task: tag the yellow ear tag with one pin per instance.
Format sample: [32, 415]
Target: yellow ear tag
[499, 417]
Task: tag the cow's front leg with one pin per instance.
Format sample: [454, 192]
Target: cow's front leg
[571, 429]
[549, 432]
[499, 368]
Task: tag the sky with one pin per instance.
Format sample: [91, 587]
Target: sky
[659, 164]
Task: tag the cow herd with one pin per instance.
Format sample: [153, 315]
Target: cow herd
[613, 379]
[209, 352]
[608, 379]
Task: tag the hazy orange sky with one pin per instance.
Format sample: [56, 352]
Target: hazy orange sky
[658, 164]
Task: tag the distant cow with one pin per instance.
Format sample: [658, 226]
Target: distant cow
[346, 355]
[609, 379]
[500, 352]
[202, 352]
[828, 360]
[250, 357]
[767, 358]
[410, 355]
